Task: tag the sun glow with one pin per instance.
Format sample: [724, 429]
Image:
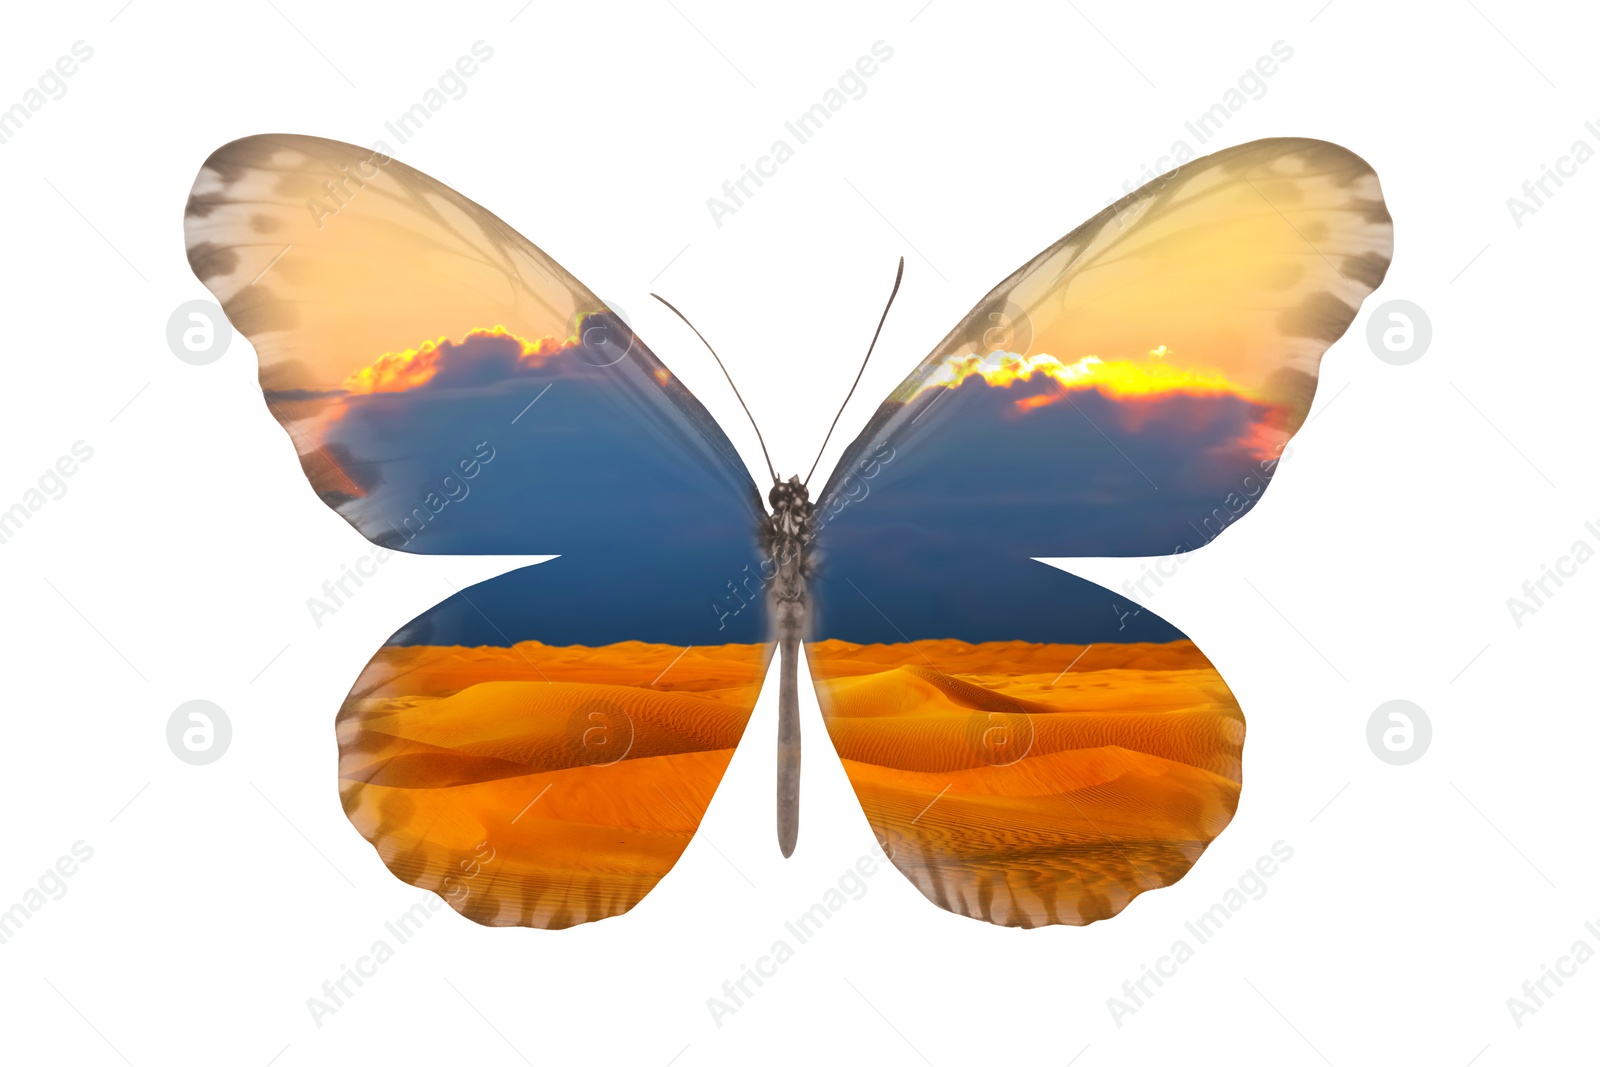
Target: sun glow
[395, 372]
[1116, 377]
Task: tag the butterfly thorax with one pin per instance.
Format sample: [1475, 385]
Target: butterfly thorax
[786, 537]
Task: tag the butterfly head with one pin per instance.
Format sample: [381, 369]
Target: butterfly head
[790, 496]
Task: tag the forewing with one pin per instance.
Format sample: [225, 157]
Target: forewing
[418, 351]
[1129, 390]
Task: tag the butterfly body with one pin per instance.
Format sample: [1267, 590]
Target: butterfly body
[787, 541]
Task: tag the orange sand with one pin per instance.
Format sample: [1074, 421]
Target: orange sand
[548, 786]
[1010, 791]
[536, 785]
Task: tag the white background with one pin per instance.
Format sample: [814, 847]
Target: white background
[1420, 497]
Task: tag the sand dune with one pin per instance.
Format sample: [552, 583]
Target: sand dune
[537, 785]
[537, 726]
[546, 786]
[567, 846]
[722, 672]
[1012, 789]
[1006, 657]
[914, 719]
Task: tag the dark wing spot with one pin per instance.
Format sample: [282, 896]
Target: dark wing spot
[1321, 316]
[253, 310]
[210, 260]
[1291, 390]
[1367, 268]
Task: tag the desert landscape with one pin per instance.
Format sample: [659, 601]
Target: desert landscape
[1023, 784]
[1028, 784]
[538, 785]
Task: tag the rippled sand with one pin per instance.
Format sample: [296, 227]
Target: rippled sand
[535, 785]
[1015, 790]
[548, 786]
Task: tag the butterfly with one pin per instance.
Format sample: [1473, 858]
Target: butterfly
[1030, 748]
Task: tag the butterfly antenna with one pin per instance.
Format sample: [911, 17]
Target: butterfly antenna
[899, 272]
[770, 469]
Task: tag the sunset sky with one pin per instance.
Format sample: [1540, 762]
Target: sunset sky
[1040, 456]
[451, 389]
[1022, 456]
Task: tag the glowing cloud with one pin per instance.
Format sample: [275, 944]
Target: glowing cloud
[395, 372]
[1117, 378]
[1264, 439]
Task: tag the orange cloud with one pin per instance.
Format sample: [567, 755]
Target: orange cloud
[395, 372]
[1265, 438]
[1117, 378]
